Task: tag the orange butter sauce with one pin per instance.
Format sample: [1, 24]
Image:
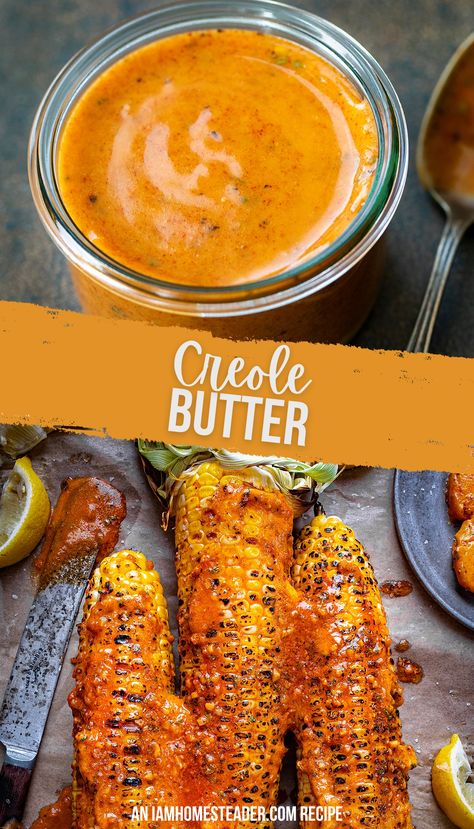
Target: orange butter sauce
[217, 157]
[57, 815]
[396, 589]
[85, 521]
[409, 671]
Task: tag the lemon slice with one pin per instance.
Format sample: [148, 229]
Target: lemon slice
[17, 440]
[24, 513]
[455, 796]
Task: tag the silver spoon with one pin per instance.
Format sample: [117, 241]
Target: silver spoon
[445, 163]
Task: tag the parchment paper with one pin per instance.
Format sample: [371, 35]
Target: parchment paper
[441, 704]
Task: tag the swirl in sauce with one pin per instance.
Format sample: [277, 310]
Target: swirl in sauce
[217, 157]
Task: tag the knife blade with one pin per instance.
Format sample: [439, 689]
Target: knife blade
[84, 524]
[32, 683]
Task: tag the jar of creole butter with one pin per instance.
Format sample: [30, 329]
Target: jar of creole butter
[223, 166]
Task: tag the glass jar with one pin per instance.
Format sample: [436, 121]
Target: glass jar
[325, 298]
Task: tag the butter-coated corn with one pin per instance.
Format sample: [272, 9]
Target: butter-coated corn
[124, 712]
[234, 545]
[351, 750]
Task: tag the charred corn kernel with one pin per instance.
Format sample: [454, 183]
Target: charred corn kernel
[122, 705]
[351, 753]
[234, 547]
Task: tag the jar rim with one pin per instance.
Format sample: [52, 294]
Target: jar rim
[302, 279]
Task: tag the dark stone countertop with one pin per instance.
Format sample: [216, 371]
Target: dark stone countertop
[412, 39]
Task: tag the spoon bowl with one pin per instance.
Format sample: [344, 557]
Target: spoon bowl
[445, 164]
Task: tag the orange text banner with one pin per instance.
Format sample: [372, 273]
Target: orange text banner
[335, 403]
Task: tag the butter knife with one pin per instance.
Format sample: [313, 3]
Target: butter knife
[84, 524]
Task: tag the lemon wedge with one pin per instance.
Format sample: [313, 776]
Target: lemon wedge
[455, 796]
[24, 513]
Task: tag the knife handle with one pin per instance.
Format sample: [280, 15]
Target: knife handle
[14, 784]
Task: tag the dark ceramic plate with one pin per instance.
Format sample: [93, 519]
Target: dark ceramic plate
[426, 535]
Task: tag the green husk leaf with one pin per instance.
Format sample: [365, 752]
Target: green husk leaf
[300, 482]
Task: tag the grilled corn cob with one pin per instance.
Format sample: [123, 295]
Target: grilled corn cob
[234, 546]
[127, 724]
[351, 751]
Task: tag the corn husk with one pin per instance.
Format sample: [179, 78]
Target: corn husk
[168, 465]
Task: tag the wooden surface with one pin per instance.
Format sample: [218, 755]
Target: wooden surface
[412, 41]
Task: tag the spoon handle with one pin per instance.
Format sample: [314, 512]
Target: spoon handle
[423, 330]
